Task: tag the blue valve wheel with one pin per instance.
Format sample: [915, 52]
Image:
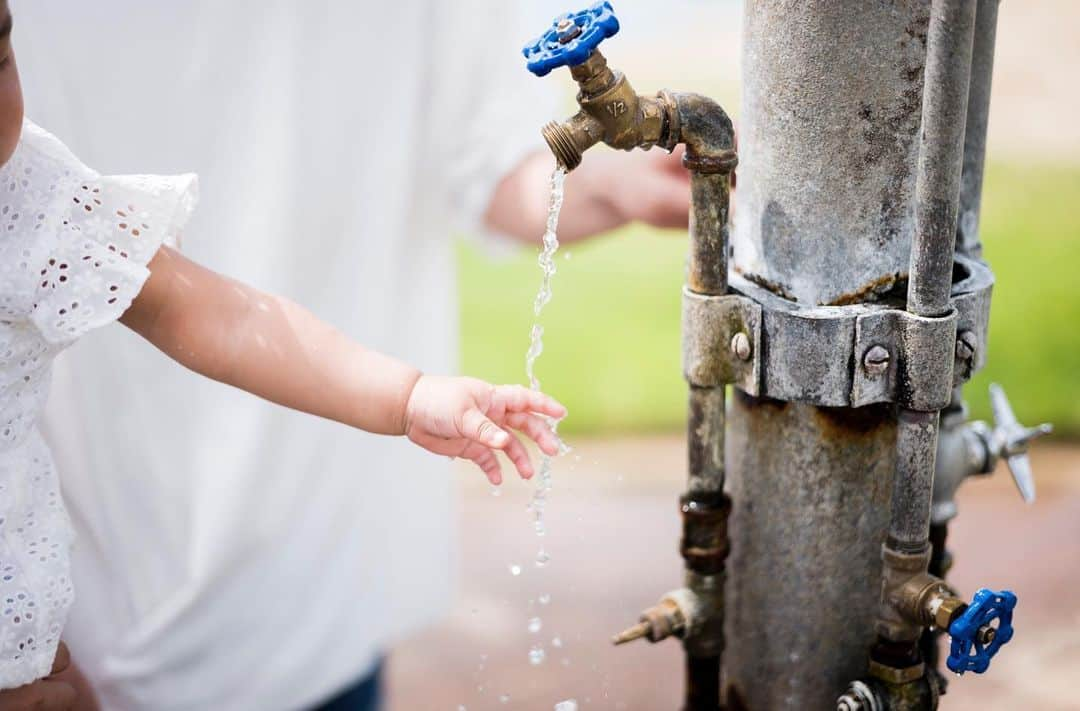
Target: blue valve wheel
[571, 38]
[973, 642]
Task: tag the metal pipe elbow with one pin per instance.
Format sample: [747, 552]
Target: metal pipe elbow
[705, 128]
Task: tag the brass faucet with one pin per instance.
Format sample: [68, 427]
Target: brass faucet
[613, 113]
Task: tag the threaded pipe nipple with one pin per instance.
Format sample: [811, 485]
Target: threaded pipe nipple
[562, 145]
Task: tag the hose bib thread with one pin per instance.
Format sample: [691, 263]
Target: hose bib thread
[562, 145]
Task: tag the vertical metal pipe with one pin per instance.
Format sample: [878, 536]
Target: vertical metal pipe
[978, 113]
[832, 94]
[913, 482]
[708, 267]
[705, 508]
[937, 192]
[941, 150]
[810, 491]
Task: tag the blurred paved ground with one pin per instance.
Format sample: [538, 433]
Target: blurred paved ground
[612, 537]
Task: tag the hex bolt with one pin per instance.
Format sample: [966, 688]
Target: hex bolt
[740, 346]
[876, 360]
[986, 635]
[567, 29]
[966, 344]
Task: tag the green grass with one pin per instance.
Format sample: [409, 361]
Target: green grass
[612, 329]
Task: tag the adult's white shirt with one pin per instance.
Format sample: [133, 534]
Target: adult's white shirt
[231, 554]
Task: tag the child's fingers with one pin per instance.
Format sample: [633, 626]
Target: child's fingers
[486, 460]
[518, 398]
[516, 453]
[463, 448]
[476, 426]
[536, 429]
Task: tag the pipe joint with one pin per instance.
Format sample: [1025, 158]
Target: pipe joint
[904, 581]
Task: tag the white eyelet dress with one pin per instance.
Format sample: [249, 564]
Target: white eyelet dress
[73, 252]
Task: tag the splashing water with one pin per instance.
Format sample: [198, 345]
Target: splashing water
[536, 655]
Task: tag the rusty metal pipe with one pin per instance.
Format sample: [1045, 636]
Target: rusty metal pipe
[709, 137]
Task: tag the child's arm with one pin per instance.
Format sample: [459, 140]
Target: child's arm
[272, 348]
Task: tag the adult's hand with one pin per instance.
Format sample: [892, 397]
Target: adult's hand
[48, 694]
[608, 190]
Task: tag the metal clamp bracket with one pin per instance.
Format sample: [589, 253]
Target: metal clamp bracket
[836, 356]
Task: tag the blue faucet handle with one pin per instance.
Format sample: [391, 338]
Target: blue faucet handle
[571, 38]
[974, 640]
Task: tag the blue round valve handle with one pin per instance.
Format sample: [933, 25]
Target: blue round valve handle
[970, 649]
[571, 38]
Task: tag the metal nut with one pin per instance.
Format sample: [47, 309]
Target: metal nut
[966, 343]
[740, 346]
[876, 360]
[947, 611]
[986, 634]
[567, 29]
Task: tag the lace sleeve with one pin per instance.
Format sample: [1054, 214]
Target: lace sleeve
[111, 228]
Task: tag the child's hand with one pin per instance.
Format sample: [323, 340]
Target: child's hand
[465, 417]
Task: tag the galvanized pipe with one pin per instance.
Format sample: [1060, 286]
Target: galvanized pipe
[937, 192]
[937, 185]
[832, 94]
[913, 482]
[978, 112]
[906, 553]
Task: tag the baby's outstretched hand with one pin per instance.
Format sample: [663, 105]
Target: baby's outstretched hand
[466, 417]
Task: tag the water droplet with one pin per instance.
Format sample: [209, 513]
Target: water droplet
[536, 655]
[504, 698]
[556, 642]
[496, 491]
[535, 624]
[539, 527]
[567, 256]
[515, 570]
[544, 598]
[568, 705]
[542, 558]
[461, 707]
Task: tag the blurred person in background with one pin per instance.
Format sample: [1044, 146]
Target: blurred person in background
[210, 575]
